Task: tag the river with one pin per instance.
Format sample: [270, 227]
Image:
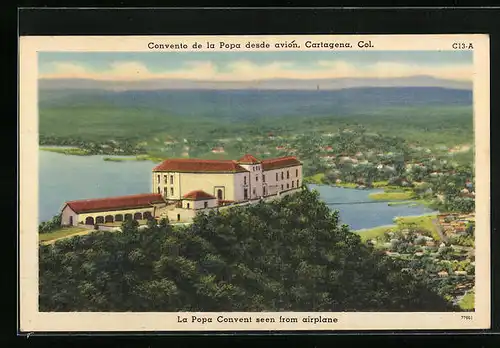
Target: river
[64, 178]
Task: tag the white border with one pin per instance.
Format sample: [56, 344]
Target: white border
[33, 321]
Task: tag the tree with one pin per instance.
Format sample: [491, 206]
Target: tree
[291, 254]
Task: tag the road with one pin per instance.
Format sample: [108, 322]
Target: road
[439, 230]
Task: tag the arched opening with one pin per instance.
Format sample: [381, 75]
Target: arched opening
[138, 216]
[89, 220]
[109, 218]
[147, 215]
[118, 217]
[128, 216]
[99, 220]
[219, 194]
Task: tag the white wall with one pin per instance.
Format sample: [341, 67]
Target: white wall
[186, 215]
[255, 182]
[65, 216]
[274, 186]
[239, 186]
[200, 204]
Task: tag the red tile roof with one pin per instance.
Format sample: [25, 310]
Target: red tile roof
[282, 162]
[114, 203]
[248, 159]
[199, 165]
[198, 195]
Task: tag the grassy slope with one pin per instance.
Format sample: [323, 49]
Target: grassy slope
[423, 222]
[59, 233]
[468, 301]
[389, 196]
[315, 179]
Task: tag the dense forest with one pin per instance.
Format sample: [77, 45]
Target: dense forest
[287, 255]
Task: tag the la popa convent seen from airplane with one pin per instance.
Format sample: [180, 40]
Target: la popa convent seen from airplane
[183, 187]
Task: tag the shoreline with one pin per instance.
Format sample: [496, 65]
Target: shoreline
[389, 194]
[76, 151]
[424, 221]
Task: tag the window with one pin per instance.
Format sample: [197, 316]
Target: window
[256, 178]
[298, 183]
[281, 186]
[276, 176]
[205, 204]
[219, 194]
[171, 191]
[159, 191]
[188, 205]
[263, 178]
[253, 191]
[282, 176]
[293, 184]
[245, 180]
[288, 174]
[287, 186]
[166, 181]
[296, 172]
[159, 179]
[178, 217]
[245, 194]
[171, 179]
[264, 189]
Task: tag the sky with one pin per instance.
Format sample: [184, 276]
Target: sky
[251, 66]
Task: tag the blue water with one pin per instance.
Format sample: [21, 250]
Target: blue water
[64, 178]
[367, 215]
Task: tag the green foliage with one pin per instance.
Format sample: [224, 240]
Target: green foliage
[288, 255]
[51, 225]
[468, 301]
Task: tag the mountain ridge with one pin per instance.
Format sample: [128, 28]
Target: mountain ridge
[268, 84]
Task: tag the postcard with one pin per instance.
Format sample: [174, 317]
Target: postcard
[254, 183]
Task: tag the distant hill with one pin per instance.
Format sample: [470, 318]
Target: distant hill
[249, 104]
[271, 84]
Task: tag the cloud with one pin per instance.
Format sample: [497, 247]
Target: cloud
[243, 70]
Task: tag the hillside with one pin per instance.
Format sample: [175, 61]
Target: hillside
[265, 84]
[141, 115]
[289, 255]
[254, 104]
